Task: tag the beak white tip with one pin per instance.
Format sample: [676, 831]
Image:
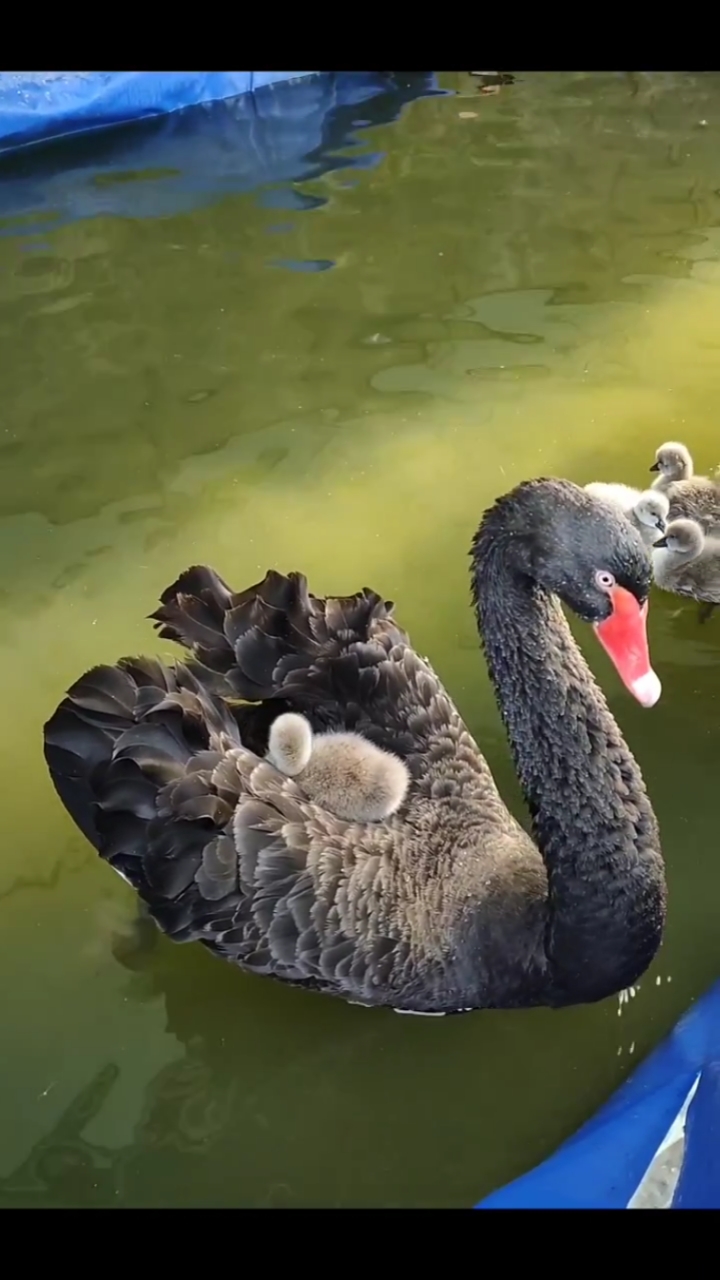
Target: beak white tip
[646, 689]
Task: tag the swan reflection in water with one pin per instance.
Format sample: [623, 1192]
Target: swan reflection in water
[243, 1079]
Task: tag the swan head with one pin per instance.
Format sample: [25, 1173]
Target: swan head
[684, 538]
[290, 744]
[674, 461]
[573, 545]
[652, 509]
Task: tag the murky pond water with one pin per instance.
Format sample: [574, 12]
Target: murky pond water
[512, 284]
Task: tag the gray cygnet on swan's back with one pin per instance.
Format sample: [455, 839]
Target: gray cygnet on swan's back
[691, 497]
[647, 511]
[342, 772]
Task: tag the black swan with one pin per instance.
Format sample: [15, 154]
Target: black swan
[449, 905]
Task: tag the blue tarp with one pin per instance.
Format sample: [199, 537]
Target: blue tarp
[602, 1166]
[38, 105]
[279, 134]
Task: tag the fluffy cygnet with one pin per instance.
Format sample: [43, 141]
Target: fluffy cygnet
[673, 461]
[687, 562]
[343, 772]
[691, 497]
[647, 511]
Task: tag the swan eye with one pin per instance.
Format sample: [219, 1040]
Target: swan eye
[604, 580]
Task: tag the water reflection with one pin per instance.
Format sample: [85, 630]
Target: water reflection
[164, 167]
[63, 1168]
[255, 1093]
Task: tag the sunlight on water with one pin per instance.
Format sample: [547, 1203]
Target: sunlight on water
[167, 406]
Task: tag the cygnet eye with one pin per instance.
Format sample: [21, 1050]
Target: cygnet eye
[604, 580]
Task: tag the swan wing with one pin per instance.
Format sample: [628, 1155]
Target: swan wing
[341, 660]
[223, 848]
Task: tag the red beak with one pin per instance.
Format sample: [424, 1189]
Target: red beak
[623, 636]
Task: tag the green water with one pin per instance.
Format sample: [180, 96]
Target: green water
[531, 289]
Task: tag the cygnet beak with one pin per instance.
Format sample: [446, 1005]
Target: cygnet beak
[660, 524]
[655, 466]
[661, 542]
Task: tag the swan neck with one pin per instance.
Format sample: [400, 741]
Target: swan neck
[592, 820]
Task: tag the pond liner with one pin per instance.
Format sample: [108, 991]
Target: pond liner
[175, 162]
[660, 1129]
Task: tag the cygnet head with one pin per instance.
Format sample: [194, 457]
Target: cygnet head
[652, 509]
[290, 744]
[674, 461]
[683, 538]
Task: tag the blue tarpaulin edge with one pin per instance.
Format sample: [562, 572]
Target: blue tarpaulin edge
[36, 106]
[603, 1164]
[266, 142]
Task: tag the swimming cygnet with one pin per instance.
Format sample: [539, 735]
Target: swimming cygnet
[343, 772]
[646, 511]
[687, 563]
[691, 497]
